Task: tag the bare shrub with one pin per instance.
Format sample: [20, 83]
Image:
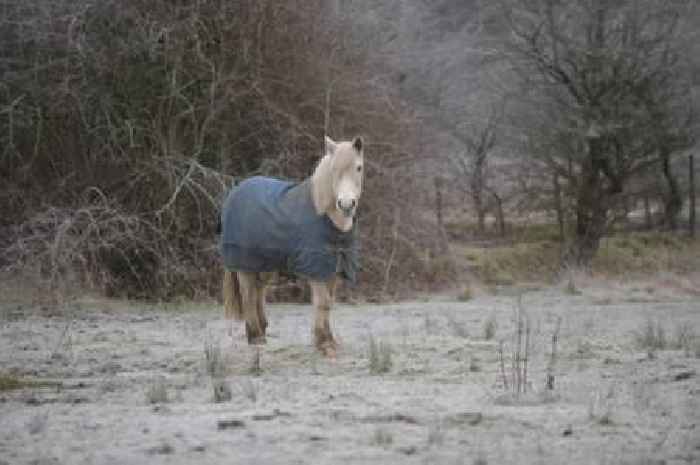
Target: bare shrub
[114, 169]
[520, 351]
[517, 362]
[109, 249]
[379, 354]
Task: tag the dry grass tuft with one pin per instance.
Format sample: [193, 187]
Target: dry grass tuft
[644, 253]
[506, 265]
[256, 362]
[382, 438]
[213, 359]
[37, 423]
[216, 369]
[600, 408]
[490, 327]
[622, 255]
[157, 391]
[10, 382]
[249, 389]
[651, 336]
[571, 288]
[474, 366]
[685, 338]
[521, 348]
[458, 328]
[436, 436]
[481, 459]
[222, 390]
[466, 295]
[380, 357]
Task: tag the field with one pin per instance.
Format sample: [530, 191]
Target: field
[417, 382]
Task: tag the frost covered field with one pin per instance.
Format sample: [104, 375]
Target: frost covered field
[110, 382]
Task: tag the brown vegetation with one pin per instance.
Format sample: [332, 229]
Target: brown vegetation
[124, 123]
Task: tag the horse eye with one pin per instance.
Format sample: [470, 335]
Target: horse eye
[359, 168]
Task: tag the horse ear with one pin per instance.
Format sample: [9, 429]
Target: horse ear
[330, 146]
[358, 143]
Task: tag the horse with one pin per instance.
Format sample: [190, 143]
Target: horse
[307, 229]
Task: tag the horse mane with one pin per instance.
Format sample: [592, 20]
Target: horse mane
[322, 185]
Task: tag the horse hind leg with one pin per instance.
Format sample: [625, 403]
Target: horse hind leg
[261, 283]
[250, 298]
[233, 306]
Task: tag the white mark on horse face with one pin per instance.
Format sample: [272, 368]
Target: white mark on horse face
[348, 171]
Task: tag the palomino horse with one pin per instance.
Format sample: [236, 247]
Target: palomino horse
[307, 229]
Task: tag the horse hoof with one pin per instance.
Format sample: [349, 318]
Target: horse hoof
[328, 350]
[257, 341]
[330, 353]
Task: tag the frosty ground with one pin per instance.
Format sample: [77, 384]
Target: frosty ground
[92, 367]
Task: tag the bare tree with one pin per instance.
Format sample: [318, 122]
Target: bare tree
[607, 83]
[479, 141]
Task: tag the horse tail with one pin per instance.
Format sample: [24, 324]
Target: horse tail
[233, 305]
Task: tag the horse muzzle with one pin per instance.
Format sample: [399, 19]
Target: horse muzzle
[347, 208]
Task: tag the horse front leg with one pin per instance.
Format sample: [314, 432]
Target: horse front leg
[323, 297]
[249, 284]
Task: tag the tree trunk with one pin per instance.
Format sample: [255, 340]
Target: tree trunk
[673, 201]
[691, 196]
[477, 188]
[500, 215]
[591, 210]
[480, 212]
[442, 236]
[558, 207]
[648, 220]
[591, 220]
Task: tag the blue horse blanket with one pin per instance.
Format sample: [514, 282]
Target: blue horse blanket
[272, 225]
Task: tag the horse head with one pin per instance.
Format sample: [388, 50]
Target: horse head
[346, 170]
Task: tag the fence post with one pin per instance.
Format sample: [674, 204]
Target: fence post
[691, 195]
[442, 235]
